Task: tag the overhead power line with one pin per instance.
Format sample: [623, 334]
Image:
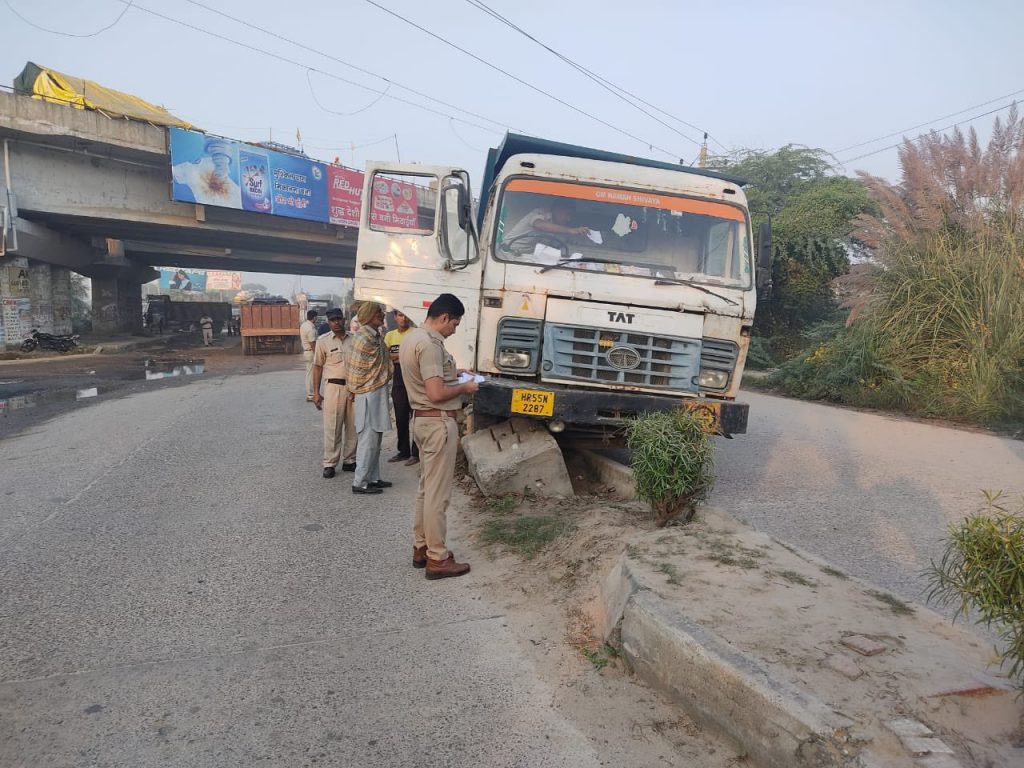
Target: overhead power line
[293, 62]
[616, 90]
[930, 122]
[99, 31]
[335, 59]
[519, 80]
[926, 135]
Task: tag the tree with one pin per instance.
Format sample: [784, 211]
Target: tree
[814, 215]
[81, 304]
[256, 289]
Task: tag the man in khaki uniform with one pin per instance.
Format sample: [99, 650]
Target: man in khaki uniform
[435, 397]
[337, 403]
[308, 336]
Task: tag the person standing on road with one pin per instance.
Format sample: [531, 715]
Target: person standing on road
[206, 324]
[399, 396]
[339, 412]
[308, 336]
[435, 395]
[369, 371]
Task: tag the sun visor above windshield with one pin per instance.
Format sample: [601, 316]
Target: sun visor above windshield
[627, 197]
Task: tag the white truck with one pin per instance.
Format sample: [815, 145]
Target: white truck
[597, 286]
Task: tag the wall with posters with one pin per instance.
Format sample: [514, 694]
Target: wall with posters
[32, 295]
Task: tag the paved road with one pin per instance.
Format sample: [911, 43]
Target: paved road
[873, 494]
[181, 588]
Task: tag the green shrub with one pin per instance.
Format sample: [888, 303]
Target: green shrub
[944, 336]
[982, 569]
[672, 460]
[759, 356]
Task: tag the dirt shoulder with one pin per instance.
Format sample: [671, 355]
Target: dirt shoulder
[791, 614]
[548, 597]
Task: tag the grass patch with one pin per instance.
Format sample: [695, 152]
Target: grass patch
[671, 571]
[796, 578]
[526, 535]
[834, 572]
[732, 554]
[894, 604]
[595, 657]
[501, 505]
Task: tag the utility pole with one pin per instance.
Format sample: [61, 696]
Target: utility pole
[703, 160]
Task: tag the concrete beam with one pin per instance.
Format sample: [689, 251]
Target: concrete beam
[43, 244]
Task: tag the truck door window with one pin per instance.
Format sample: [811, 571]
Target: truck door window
[403, 203]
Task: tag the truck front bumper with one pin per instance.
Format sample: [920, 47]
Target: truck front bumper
[605, 411]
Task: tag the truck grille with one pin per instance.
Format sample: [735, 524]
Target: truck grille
[605, 356]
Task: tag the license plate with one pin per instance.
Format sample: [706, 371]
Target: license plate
[710, 414]
[533, 402]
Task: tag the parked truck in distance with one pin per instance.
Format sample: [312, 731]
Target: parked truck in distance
[597, 286]
[183, 316]
[269, 327]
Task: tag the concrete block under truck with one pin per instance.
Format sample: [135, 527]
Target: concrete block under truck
[269, 328]
[597, 286]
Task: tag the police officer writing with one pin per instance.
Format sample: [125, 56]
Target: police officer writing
[435, 396]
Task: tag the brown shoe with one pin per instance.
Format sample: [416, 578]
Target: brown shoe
[419, 556]
[443, 569]
[413, 461]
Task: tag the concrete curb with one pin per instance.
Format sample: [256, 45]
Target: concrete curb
[716, 684]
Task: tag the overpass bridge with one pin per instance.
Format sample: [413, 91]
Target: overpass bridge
[93, 196]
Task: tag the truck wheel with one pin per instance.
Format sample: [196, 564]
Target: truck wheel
[245, 345]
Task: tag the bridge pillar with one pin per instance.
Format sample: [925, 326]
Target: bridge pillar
[117, 300]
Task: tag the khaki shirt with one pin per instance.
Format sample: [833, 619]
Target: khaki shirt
[329, 354]
[422, 356]
[307, 332]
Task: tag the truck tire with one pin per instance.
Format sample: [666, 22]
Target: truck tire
[245, 345]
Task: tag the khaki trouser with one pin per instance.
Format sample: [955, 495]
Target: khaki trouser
[207, 336]
[339, 414]
[438, 439]
[307, 355]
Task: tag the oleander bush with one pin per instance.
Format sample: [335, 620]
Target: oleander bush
[982, 572]
[673, 460]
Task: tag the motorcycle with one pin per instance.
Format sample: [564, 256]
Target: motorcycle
[49, 341]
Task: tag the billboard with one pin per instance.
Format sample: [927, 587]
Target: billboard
[193, 280]
[345, 190]
[223, 281]
[229, 174]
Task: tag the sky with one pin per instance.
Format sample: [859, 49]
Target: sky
[753, 74]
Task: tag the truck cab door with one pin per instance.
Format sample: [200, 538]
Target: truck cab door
[417, 239]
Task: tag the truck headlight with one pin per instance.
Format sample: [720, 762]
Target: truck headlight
[513, 358]
[713, 379]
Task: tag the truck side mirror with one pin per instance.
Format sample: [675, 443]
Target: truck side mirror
[764, 256]
[456, 199]
[458, 236]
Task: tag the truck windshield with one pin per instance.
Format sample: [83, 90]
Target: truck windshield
[622, 231]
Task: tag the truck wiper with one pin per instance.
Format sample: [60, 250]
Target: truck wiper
[592, 259]
[696, 285]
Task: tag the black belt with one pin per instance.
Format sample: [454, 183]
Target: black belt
[335, 381]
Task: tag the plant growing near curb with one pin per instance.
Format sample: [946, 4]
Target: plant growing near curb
[982, 569]
[672, 460]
